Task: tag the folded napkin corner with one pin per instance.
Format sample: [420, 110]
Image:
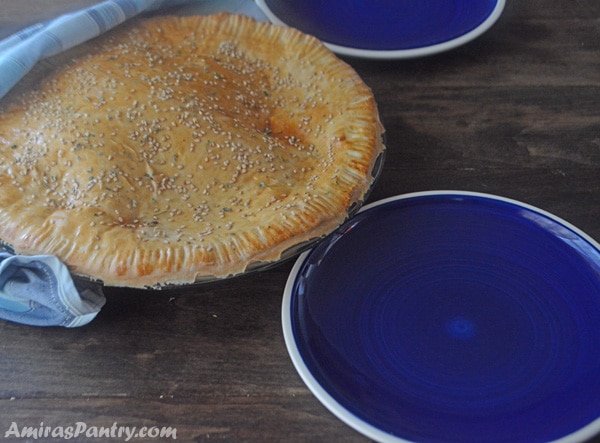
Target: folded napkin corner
[40, 291]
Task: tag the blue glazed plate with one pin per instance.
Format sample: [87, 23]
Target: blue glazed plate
[387, 29]
[451, 316]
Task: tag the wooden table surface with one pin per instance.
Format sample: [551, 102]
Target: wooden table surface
[515, 113]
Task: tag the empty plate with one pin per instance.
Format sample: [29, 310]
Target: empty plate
[390, 29]
[451, 316]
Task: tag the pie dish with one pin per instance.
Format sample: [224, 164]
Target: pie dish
[183, 149]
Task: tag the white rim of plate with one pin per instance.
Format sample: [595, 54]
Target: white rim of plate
[587, 432]
[403, 53]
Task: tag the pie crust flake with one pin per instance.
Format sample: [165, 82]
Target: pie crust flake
[180, 149]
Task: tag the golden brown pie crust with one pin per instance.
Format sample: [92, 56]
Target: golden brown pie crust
[178, 149]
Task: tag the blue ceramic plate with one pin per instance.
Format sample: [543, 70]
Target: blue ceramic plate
[389, 29]
[451, 316]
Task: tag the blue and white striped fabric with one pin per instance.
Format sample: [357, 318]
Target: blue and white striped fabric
[39, 290]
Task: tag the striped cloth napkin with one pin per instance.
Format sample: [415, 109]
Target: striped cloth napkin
[39, 290]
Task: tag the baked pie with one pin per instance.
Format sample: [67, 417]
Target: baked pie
[180, 149]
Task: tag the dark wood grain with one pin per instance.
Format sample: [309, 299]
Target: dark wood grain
[514, 113]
